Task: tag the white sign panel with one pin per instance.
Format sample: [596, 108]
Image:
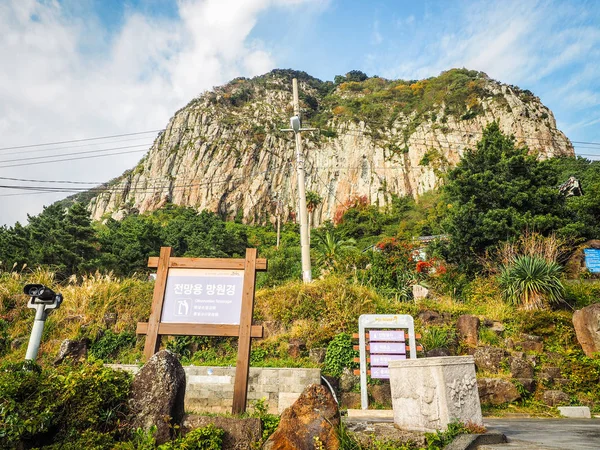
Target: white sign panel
[205, 296]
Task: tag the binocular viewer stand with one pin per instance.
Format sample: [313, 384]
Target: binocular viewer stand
[42, 304]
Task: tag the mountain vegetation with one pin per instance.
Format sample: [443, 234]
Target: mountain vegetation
[492, 242]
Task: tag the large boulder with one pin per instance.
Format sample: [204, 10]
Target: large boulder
[468, 329]
[489, 358]
[587, 328]
[157, 395]
[556, 398]
[310, 423]
[496, 391]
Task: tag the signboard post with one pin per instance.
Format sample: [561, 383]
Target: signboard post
[384, 346]
[205, 297]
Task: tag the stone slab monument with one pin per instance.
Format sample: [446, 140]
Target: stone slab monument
[429, 393]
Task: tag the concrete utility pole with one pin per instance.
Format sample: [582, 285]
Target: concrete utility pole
[304, 239]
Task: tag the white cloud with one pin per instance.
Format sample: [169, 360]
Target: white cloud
[376, 36]
[64, 77]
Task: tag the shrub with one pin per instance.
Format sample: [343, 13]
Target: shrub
[111, 343]
[42, 407]
[340, 354]
[437, 337]
[531, 282]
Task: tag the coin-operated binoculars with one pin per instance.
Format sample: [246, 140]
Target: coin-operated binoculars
[43, 300]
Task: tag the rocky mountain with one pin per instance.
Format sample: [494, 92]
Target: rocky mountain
[376, 138]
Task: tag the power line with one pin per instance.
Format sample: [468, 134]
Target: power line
[45, 150]
[72, 154]
[80, 140]
[69, 159]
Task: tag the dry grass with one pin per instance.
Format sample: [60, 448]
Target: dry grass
[83, 313]
[549, 248]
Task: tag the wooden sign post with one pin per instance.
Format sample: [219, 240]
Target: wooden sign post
[206, 297]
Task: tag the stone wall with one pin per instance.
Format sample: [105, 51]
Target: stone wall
[210, 389]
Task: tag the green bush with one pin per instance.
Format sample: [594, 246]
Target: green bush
[47, 406]
[4, 337]
[340, 354]
[531, 282]
[580, 293]
[111, 343]
[437, 337]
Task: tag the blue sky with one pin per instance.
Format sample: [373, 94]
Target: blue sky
[74, 69]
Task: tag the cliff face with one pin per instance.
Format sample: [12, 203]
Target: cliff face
[224, 151]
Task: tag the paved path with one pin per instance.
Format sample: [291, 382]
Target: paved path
[551, 434]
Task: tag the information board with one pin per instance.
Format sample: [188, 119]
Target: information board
[592, 259]
[387, 342]
[205, 297]
[209, 296]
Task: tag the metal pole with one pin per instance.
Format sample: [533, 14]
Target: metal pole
[278, 223]
[304, 240]
[36, 332]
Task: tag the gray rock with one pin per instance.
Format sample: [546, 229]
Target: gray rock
[157, 395]
[73, 350]
[521, 368]
[240, 434]
[436, 352]
[531, 337]
[489, 358]
[549, 373]
[429, 317]
[555, 398]
[348, 380]
[317, 355]
[587, 328]
[496, 391]
[468, 329]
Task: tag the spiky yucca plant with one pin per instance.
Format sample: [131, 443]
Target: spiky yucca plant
[531, 282]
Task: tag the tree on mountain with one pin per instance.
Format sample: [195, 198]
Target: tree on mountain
[50, 243]
[83, 245]
[495, 192]
[126, 244]
[14, 246]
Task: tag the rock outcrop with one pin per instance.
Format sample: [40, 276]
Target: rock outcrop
[157, 395]
[587, 328]
[72, 350]
[310, 423]
[378, 138]
[468, 329]
[496, 391]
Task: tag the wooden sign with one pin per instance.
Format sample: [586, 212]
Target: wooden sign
[206, 297]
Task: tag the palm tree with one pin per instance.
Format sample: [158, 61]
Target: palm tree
[312, 201]
[330, 246]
